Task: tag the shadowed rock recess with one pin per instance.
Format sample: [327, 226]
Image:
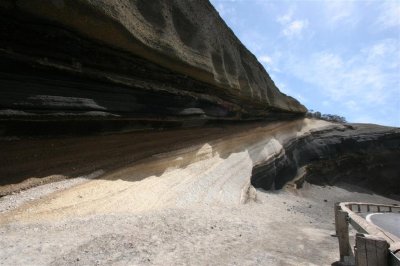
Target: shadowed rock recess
[73, 74]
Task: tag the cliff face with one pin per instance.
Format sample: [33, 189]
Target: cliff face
[145, 61]
[211, 164]
[359, 154]
[87, 67]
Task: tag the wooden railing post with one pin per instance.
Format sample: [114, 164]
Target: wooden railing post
[336, 209]
[342, 230]
[371, 251]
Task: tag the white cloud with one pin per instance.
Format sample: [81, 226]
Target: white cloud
[284, 19]
[339, 78]
[292, 27]
[389, 15]
[295, 28]
[362, 83]
[265, 59]
[341, 12]
[270, 62]
[328, 61]
[380, 50]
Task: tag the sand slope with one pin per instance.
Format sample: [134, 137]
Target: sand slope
[189, 206]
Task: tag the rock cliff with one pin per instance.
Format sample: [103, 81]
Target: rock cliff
[359, 154]
[85, 67]
[135, 64]
[211, 164]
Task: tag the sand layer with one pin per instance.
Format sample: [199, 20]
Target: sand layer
[189, 203]
[280, 228]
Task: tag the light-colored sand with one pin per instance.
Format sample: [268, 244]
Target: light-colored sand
[212, 173]
[15, 200]
[281, 228]
[192, 206]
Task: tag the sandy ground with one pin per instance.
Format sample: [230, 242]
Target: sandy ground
[279, 228]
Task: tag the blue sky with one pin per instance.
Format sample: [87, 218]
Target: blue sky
[336, 57]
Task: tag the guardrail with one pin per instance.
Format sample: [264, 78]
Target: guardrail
[373, 245]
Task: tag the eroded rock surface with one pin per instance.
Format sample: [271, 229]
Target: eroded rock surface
[211, 164]
[143, 61]
[84, 67]
[360, 154]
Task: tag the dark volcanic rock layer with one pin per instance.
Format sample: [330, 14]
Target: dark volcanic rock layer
[360, 154]
[85, 67]
[151, 62]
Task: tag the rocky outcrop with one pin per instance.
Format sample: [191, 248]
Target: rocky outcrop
[138, 64]
[360, 154]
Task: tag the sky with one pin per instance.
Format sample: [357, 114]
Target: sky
[337, 57]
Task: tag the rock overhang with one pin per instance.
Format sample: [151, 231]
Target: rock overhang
[152, 60]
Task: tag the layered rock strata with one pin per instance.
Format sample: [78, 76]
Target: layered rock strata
[139, 172]
[135, 64]
[88, 67]
[360, 154]
[31, 161]
[211, 164]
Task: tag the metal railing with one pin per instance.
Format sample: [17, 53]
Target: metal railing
[374, 246]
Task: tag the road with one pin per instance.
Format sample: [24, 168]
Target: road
[389, 222]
